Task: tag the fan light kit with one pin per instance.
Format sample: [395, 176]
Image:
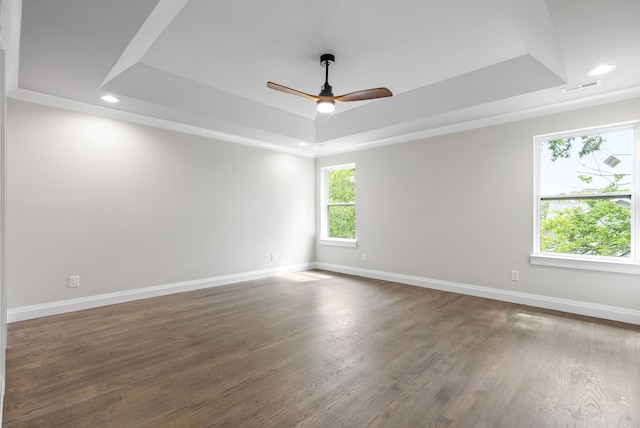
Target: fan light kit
[326, 101]
[326, 106]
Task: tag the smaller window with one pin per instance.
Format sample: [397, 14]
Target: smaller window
[338, 214]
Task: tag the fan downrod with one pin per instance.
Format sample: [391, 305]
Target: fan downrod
[325, 60]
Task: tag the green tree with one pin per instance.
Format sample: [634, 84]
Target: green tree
[597, 227]
[342, 198]
[562, 148]
[600, 227]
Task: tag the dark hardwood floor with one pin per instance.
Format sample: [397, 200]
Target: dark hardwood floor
[318, 349]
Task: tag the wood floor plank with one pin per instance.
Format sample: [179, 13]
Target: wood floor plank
[318, 349]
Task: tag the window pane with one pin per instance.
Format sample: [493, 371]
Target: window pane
[342, 186]
[593, 163]
[596, 227]
[342, 221]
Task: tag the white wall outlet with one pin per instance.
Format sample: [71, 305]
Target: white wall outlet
[274, 257]
[74, 281]
[515, 275]
[364, 257]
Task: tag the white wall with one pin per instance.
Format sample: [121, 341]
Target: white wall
[459, 208]
[127, 206]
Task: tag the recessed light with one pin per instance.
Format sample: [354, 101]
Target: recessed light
[109, 99]
[601, 69]
[302, 144]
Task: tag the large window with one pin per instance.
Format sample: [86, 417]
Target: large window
[338, 216]
[586, 205]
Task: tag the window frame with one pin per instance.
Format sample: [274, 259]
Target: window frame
[325, 239]
[630, 265]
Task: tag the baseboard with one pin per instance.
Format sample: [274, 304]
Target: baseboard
[1, 398]
[63, 306]
[565, 305]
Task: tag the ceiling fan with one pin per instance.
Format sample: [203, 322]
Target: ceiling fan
[326, 100]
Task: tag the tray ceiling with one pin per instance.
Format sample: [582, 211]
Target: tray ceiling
[204, 65]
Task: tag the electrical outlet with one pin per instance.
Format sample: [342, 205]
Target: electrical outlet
[74, 281]
[274, 257]
[364, 257]
[515, 275]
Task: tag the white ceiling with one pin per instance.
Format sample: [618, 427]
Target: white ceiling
[203, 65]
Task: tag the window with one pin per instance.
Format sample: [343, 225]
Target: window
[586, 207]
[338, 216]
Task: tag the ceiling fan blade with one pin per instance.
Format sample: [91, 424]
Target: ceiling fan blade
[281, 88]
[367, 94]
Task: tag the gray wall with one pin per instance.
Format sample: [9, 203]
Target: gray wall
[3, 276]
[459, 208]
[127, 206]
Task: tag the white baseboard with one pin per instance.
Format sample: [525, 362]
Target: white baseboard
[1, 398]
[613, 313]
[565, 305]
[62, 306]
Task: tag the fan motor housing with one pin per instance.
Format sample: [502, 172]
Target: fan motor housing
[327, 58]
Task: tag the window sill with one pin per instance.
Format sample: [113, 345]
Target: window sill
[338, 242]
[565, 261]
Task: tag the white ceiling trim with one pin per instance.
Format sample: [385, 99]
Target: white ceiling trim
[499, 119]
[65, 103]
[321, 151]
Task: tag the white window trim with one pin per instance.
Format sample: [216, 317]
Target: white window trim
[597, 264]
[325, 239]
[602, 264]
[339, 242]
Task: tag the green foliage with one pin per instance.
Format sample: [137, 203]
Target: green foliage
[598, 227]
[560, 149]
[342, 221]
[342, 186]
[342, 190]
[590, 144]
